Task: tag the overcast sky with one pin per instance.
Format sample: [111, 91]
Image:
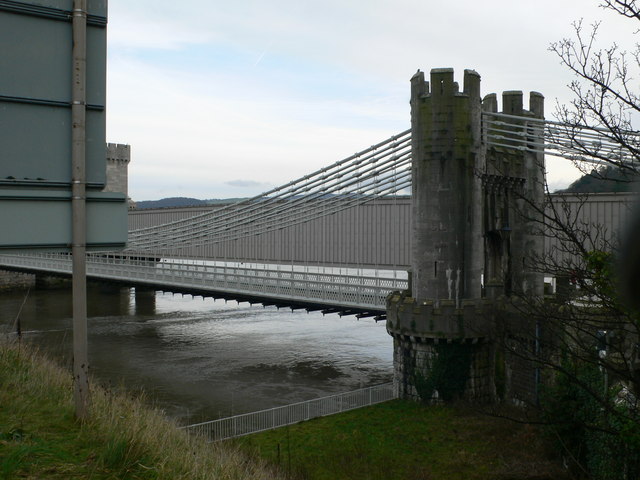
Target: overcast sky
[228, 99]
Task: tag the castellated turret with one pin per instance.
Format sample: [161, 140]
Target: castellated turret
[118, 158]
[446, 260]
[513, 195]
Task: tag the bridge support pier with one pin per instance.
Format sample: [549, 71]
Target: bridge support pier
[145, 300]
[432, 372]
[441, 352]
[464, 228]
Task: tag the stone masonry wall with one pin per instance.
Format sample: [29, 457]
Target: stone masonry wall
[456, 370]
[16, 280]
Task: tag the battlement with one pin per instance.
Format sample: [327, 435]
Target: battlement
[118, 152]
[514, 146]
[442, 84]
[438, 319]
[512, 104]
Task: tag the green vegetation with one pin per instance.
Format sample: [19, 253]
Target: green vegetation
[590, 405]
[600, 434]
[122, 439]
[605, 179]
[409, 441]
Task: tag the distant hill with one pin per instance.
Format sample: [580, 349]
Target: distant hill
[169, 202]
[172, 202]
[604, 180]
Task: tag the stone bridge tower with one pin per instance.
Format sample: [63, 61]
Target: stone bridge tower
[118, 159]
[468, 225]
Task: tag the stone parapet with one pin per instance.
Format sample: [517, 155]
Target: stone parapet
[435, 320]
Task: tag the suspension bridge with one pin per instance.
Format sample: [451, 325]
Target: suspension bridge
[429, 229]
[337, 240]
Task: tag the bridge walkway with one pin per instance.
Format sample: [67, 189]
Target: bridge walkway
[329, 289]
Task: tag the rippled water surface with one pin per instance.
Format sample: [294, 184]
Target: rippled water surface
[202, 359]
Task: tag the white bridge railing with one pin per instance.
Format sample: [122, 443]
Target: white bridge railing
[367, 290]
[248, 423]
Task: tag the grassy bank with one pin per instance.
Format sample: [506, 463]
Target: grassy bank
[122, 439]
[404, 440]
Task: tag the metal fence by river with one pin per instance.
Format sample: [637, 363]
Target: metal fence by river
[248, 423]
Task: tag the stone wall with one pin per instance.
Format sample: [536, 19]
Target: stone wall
[428, 370]
[16, 280]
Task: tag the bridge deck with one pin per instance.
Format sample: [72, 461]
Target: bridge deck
[314, 288]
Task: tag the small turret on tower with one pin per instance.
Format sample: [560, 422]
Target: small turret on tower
[118, 159]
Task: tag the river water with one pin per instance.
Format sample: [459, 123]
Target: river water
[203, 359]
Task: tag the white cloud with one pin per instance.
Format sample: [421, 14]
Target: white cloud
[208, 93]
[225, 130]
